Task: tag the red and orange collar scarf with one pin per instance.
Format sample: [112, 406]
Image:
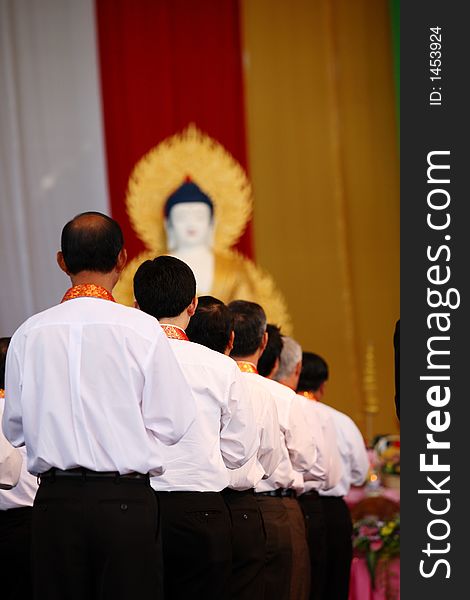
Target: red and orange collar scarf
[87, 290]
[174, 333]
[307, 394]
[246, 367]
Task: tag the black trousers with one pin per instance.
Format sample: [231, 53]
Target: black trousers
[300, 578]
[248, 545]
[278, 566]
[15, 553]
[312, 507]
[96, 540]
[197, 547]
[338, 547]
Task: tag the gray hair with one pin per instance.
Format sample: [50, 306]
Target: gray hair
[291, 355]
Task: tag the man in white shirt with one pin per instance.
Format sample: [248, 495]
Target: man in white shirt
[211, 326]
[299, 456]
[93, 390]
[355, 462]
[323, 430]
[10, 458]
[196, 529]
[15, 517]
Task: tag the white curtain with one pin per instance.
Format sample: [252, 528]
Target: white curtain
[52, 163]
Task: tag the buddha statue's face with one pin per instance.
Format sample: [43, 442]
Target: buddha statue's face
[189, 225]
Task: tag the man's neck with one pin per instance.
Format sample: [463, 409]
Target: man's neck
[179, 321]
[105, 280]
[286, 382]
[252, 358]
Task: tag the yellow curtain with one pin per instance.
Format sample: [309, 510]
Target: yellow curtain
[323, 160]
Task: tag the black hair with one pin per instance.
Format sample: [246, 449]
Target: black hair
[272, 352]
[91, 241]
[164, 286]
[211, 325]
[249, 325]
[187, 192]
[314, 372]
[4, 343]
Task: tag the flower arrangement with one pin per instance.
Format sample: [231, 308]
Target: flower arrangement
[377, 540]
[387, 450]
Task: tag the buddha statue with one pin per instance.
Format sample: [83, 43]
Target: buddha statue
[189, 198]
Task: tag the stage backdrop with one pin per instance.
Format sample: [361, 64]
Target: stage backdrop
[165, 65]
[301, 93]
[324, 165]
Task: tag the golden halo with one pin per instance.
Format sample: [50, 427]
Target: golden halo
[164, 168]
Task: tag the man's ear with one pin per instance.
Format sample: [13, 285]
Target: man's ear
[229, 347]
[121, 260]
[192, 307]
[61, 262]
[264, 342]
[298, 368]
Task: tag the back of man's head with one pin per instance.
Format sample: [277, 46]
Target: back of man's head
[91, 241]
[249, 325]
[272, 353]
[4, 343]
[291, 358]
[211, 324]
[164, 286]
[314, 372]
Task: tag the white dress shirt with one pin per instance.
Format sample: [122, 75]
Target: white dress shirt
[352, 451]
[328, 469]
[10, 460]
[299, 451]
[24, 492]
[95, 384]
[224, 432]
[263, 464]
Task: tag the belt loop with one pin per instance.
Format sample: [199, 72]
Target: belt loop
[117, 478]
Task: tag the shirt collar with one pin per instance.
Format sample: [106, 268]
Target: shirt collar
[173, 332]
[87, 290]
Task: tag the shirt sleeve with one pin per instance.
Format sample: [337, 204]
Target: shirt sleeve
[10, 463]
[300, 439]
[359, 456]
[238, 435]
[330, 451]
[12, 421]
[270, 452]
[168, 405]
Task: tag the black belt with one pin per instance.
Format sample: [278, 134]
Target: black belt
[86, 474]
[290, 493]
[274, 493]
[229, 492]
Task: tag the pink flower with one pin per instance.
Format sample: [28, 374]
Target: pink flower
[376, 545]
[367, 531]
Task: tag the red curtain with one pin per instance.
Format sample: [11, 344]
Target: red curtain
[165, 64]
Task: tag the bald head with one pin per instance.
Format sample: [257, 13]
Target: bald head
[91, 241]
